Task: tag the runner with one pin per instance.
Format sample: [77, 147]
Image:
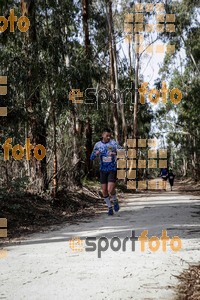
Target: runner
[106, 149]
[171, 178]
[164, 175]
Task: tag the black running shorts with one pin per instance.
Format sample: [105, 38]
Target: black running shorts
[164, 178]
[108, 176]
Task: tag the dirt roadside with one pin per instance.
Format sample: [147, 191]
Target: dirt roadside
[121, 275]
[29, 213]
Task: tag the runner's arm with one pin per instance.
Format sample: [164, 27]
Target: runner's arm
[93, 154]
[117, 147]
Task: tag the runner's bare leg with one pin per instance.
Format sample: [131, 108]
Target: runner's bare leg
[111, 188]
[104, 187]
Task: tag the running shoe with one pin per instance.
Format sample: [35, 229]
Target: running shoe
[116, 206]
[110, 211]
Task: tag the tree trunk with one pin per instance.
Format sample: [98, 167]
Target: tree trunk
[55, 165]
[37, 130]
[112, 71]
[88, 129]
[135, 113]
[184, 167]
[130, 62]
[88, 144]
[120, 106]
[85, 13]
[194, 160]
[75, 173]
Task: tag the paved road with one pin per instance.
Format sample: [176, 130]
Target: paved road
[43, 266]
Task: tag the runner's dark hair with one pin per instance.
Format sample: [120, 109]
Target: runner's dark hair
[106, 130]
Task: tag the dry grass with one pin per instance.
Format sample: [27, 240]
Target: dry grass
[189, 284]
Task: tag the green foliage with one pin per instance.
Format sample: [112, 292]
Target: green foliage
[183, 138]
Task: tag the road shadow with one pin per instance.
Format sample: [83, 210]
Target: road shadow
[178, 214]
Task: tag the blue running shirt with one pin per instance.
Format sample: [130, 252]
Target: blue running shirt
[107, 162]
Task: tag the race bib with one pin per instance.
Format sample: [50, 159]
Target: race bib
[107, 158]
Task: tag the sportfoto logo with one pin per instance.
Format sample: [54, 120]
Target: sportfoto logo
[135, 22]
[3, 92]
[3, 234]
[102, 244]
[91, 96]
[128, 163]
[18, 150]
[3, 227]
[23, 23]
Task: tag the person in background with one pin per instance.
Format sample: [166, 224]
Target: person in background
[171, 177]
[164, 175]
